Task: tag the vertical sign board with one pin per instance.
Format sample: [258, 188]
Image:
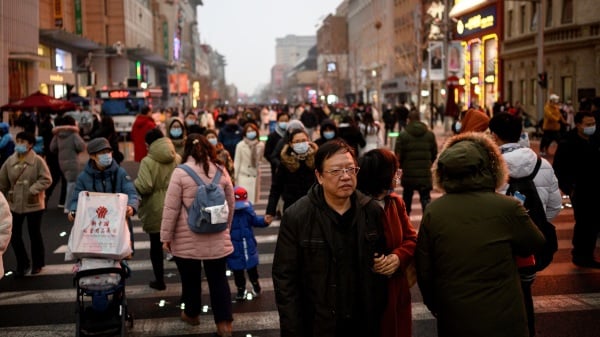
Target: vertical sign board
[165, 37]
[78, 19]
[58, 14]
[436, 55]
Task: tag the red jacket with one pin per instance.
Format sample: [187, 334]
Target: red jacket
[401, 239]
[141, 126]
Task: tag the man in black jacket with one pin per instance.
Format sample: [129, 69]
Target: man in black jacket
[322, 268]
[576, 165]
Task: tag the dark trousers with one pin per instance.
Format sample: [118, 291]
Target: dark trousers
[240, 278]
[587, 226]
[190, 271]
[34, 222]
[527, 275]
[424, 196]
[547, 138]
[156, 257]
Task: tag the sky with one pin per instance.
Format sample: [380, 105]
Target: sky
[244, 31]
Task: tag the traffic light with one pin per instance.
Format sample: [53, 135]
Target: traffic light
[543, 80]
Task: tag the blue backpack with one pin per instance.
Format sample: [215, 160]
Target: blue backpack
[209, 212]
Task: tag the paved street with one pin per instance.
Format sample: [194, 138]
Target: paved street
[567, 298]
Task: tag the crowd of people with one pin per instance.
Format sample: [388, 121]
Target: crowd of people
[347, 253]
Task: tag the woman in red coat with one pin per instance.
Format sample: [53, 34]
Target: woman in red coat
[142, 124]
[378, 177]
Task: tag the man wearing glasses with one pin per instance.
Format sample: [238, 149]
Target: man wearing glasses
[322, 268]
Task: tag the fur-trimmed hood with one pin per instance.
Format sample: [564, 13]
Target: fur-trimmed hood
[469, 162]
[291, 159]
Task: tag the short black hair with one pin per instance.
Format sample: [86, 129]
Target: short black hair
[328, 149]
[145, 110]
[580, 115]
[507, 127]
[378, 168]
[153, 135]
[26, 136]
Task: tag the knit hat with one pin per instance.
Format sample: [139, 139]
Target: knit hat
[475, 120]
[241, 197]
[97, 144]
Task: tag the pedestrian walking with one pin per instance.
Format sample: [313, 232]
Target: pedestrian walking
[553, 120]
[191, 250]
[371, 131]
[244, 258]
[231, 134]
[143, 123]
[576, 164]
[68, 144]
[5, 229]
[378, 176]
[323, 264]
[151, 184]
[416, 149]
[24, 178]
[247, 157]
[176, 132]
[273, 138]
[222, 154]
[467, 241]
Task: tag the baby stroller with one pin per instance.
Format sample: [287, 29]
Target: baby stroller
[100, 240]
[101, 308]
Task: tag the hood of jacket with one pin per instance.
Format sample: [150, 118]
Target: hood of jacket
[329, 123]
[63, 131]
[291, 160]
[470, 162]
[417, 128]
[162, 150]
[4, 127]
[169, 125]
[520, 161]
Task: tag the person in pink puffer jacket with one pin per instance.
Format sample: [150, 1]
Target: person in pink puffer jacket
[192, 250]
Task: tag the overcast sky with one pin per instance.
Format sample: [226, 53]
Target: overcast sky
[244, 31]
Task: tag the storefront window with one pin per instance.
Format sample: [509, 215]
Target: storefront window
[567, 88]
[567, 11]
[509, 91]
[533, 92]
[548, 13]
[523, 91]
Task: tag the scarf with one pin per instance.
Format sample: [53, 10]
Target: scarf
[253, 151]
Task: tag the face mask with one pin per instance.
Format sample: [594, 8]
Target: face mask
[282, 125]
[105, 159]
[457, 126]
[21, 148]
[328, 134]
[213, 141]
[189, 122]
[589, 130]
[176, 132]
[300, 148]
[251, 135]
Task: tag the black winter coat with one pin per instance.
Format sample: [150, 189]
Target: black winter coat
[306, 272]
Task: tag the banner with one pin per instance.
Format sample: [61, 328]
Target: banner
[436, 55]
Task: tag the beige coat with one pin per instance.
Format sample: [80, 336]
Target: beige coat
[25, 192]
[174, 227]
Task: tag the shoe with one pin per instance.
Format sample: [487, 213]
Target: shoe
[241, 294]
[169, 257]
[586, 263]
[190, 320]
[256, 289]
[157, 285]
[36, 270]
[61, 205]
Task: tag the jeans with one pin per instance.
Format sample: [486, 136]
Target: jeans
[240, 278]
[190, 271]
[34, 221]
[424, 196]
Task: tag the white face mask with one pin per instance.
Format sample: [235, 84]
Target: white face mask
[457, 126]
[590, 130]
[300, 148]
[105, 159]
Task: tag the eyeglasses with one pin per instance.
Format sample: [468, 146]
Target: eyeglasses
[351, 171]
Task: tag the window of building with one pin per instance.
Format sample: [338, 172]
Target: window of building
[567, 11]
[511, 22]
[509, 91]
[548, 13]
[567, 88]
[522, 19]
[523, 97]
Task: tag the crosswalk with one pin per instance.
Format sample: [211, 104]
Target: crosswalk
[51, 304]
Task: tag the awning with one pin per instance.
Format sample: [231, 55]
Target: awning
[30, 57]
[64, 40]
[147, 56]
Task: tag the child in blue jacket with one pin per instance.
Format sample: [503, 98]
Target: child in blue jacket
[245, 254]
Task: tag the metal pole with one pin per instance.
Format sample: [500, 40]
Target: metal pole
[540, 59]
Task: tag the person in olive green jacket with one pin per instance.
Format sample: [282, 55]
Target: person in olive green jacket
[467, 243]
[416, 149]
[151, 184]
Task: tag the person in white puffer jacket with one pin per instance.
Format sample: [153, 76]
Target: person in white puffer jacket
[506, 131]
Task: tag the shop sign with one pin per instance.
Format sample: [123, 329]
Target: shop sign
[78, 20]
[477, 22]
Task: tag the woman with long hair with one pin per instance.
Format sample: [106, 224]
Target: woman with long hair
[191, 250]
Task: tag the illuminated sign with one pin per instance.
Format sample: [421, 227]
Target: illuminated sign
[56, 78]
[476, 22]
[118, 94]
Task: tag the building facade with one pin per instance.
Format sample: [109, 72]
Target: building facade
[332, 59]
